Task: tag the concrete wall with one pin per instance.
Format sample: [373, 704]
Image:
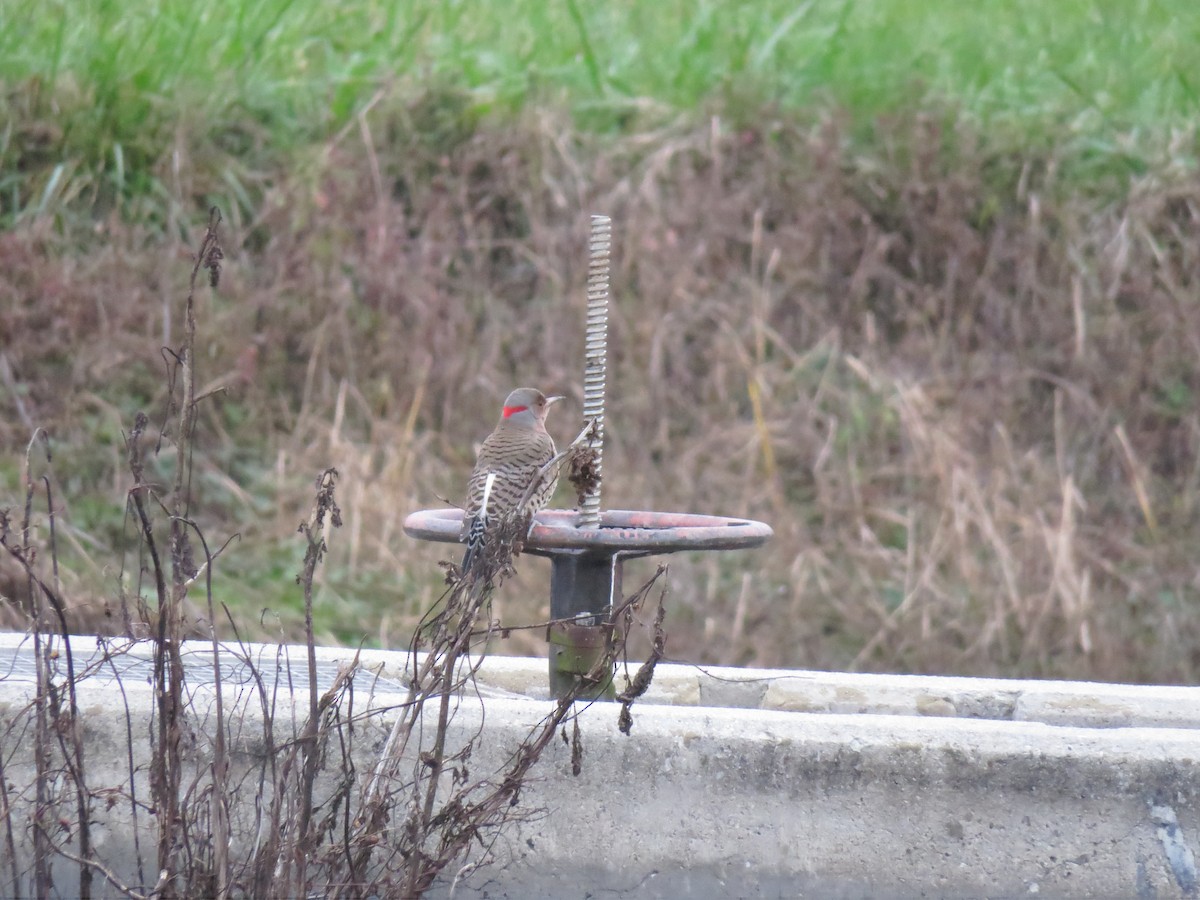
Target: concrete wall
[768, 783]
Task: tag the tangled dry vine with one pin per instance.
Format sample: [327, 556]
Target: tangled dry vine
[246, 774]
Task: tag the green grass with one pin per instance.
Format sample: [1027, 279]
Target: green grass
[102, 90]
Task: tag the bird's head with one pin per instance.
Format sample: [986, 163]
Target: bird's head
[527, 408]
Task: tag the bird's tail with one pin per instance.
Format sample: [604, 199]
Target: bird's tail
[478, 530]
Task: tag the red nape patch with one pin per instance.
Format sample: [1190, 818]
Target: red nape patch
[509, 410]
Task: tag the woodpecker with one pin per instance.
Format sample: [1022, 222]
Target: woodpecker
[508, 462]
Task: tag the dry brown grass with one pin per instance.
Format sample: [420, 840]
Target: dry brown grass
[962, 392]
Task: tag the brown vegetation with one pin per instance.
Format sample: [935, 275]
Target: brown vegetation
[962, 392]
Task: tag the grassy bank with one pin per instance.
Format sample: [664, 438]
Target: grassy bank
[917, 287]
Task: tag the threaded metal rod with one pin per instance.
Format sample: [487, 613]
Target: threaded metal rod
[595, 365]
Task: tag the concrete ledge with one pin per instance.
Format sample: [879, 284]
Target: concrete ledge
[850, 786]
[1085, 704]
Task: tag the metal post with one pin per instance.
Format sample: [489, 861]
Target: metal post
[582, 587]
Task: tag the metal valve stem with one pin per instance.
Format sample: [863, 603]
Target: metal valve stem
[595, 364]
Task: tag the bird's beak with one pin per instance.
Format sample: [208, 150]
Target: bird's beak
[550, 401]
